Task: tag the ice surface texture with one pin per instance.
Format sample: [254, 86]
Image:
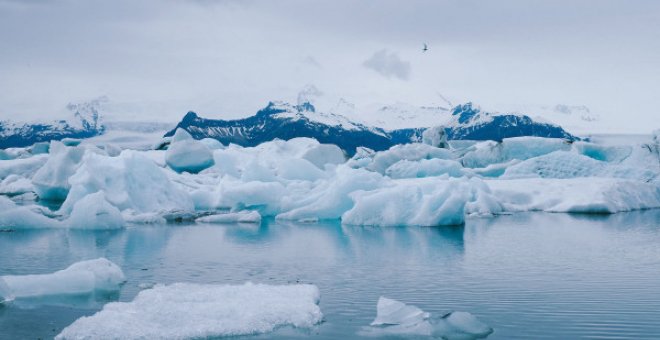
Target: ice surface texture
[186, 310]
[83, 277]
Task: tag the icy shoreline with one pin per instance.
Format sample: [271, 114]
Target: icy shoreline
[102, 187]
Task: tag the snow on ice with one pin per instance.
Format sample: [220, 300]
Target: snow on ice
[186, 310]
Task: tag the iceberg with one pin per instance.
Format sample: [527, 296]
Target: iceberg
[435, 136]
[187, 154]
[94, 212]
[394, 318]
[232, 217]
[575, 195]
[520, 148]
[51, 181]
[186, 310]
[13, 216]
[129, 181]
[418, 202]
[83, 277]
[22, 166]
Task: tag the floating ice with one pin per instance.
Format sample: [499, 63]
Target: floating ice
[5, 292]
[187, 154]
[13, 216]
[186, 310]
[521, 148]
[15, 185]
[331, 198]
[232, 217]
[411, 152]
[394, 318]
[419, 202]
[435, 136]
[578, 195]
[51, 181]
[558, 164]
[94, 212]
[323, 154]
[425, 168]
[392, 312]
[130, 181]
[83, 277]
[24, 166]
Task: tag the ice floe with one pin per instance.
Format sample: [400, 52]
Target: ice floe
[394, 318]
[83, 277]
[186, 310]
[232, 217]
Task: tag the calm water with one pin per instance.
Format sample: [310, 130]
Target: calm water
[529, 276]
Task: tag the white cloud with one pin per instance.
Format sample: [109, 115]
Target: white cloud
[388, 64]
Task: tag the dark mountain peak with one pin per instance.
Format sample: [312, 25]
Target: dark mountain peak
[189, 117]
[465, 112]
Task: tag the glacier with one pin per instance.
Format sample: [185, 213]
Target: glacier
[417, 184]
[187, 310]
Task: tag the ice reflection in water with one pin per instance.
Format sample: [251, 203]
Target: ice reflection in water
[531, 275]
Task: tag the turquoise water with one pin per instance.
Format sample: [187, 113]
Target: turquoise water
[529, 276]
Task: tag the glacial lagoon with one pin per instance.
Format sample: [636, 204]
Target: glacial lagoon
[527, 275]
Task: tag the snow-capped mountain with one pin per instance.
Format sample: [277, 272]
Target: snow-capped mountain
[85, 122]
[469, 122]
[286, 121]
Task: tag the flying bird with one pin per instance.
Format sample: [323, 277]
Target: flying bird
[426, 48]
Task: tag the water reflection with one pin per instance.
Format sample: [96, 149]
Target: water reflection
[531, 275]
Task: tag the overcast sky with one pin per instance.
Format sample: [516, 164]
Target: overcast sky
[156, 60]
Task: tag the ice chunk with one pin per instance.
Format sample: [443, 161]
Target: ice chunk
[51, 181]
[188, 154]
[23, 166]
[39, 148]
[232, 217]
[578, 195]
[323, 154]
[395, 318]
[521, 148]
[5, 293]
[186, 310]
[330, 199]
[425, 168]
[212, 144]
[19, 217]
[411, 152]
[392, 312]
[558, 164]
[15, 185]
[130, 181]
[362, 158]
[83, 277]
[418, 202]
[435, 136]
[94, 212]
[461, 325]
[602, 152]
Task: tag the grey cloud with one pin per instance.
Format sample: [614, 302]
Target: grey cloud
[388, 64]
